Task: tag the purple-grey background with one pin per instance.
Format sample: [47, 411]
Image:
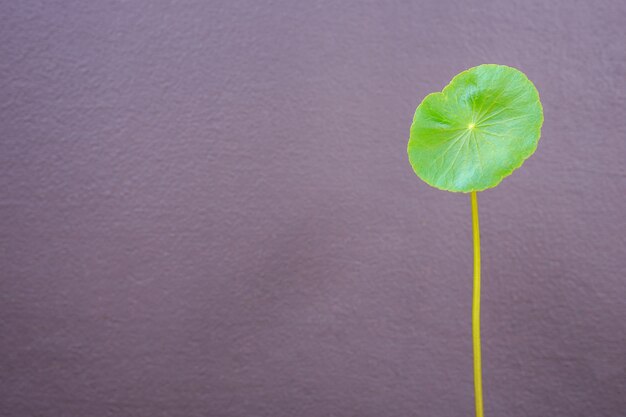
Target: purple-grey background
[206, 209]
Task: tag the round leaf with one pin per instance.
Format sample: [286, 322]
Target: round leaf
[477, 130]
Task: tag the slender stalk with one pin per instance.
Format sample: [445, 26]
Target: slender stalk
[478, 379]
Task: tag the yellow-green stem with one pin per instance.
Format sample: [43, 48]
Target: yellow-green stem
[478, 379]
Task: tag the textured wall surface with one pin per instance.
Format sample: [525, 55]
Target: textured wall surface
[206, 209]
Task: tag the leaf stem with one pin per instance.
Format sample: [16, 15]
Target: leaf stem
[478, 383]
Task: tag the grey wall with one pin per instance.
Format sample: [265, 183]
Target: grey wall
[206, 209]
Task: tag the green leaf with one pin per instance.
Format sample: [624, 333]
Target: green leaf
[478, 130]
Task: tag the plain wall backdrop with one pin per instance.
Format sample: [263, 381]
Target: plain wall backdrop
[206, 209]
